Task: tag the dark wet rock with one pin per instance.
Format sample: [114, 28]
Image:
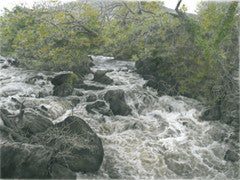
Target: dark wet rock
[68, 78]
[100, 76]
[118, 105]
[8, 119]
[99, 106]
[231, 156]
[74, 100]
[13, 62]
[148, 77]
[90, 57]
[235, 136]
[77, 147]
[20, 160]
[151, 83]
[217, 134]
[83, 68]
[64, 83]
[43, 108]
[5, 66]
[135, 125]
[33, 122]
[60, 172]
[11, 92]
[211, 114]
[149, 70]
[181, 169]
[33, 79]
[42, 94]
[7, 134]
[111, 167]
[91, 64]
[91, 98]
[50, 104]
[89, 87]
[2, 59]
[63, 90]
[77, 92]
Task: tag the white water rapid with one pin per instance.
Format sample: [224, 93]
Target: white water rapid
[163, 138]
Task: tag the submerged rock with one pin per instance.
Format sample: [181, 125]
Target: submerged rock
[78, 92]
[118, 105]
[181, 169]
[33, 79]
[5, 66]
[25, 161]
[91, 98]
[231, 156]
[82, 69]
[28, 121]
[100, 76]
[88, 87]
[99, 106]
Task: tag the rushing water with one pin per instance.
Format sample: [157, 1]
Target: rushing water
[163, 138]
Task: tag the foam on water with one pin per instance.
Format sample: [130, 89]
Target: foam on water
[163, 138]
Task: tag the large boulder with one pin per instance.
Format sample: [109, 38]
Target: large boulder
[68, 78]
[77, 147]
[63, 90]
[64, 83]
[33, 122]
[60, 172]
[99, 106]
[20, 160]
[100, 76]
[118, 105]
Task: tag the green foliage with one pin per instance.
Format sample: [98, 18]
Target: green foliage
[196, 56]
[56, 38]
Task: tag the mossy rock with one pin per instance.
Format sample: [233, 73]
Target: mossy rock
[118, 105]
[67, 78]
[101, 77]
[64, 84]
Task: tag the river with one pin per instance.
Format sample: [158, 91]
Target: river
[163, 138]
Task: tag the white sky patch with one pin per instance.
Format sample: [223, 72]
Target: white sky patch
[191, 4]
[9, 4]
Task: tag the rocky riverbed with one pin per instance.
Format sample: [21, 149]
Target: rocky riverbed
[107, 124]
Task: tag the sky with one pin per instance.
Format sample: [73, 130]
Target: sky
[191, 4]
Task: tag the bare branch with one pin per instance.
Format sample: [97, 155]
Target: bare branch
[130, 10]
[178, 4]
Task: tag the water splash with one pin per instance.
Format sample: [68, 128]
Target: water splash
[163, 138]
